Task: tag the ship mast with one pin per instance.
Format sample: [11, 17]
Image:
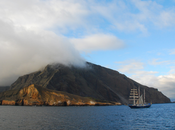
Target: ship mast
[133, 95]
[144, 96]
[139, 95]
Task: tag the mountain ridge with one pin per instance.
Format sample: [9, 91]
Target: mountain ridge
[93, 81]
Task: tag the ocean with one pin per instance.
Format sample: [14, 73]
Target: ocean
[158, 117]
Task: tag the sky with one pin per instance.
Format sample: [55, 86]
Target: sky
[134, 37]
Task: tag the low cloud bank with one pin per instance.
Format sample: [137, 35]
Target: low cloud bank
[24, 51]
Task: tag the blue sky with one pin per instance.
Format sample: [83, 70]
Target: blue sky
[134, 37]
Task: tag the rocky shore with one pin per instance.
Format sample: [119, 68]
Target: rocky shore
[37, 95]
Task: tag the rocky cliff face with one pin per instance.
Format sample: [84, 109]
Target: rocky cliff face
[37, 95]
[93, 81]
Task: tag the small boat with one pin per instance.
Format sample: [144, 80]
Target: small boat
[138, 101]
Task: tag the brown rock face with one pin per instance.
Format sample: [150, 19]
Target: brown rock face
[30, 92]
[7, 102]
[37, 95]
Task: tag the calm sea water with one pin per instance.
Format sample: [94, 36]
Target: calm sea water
[159, 116]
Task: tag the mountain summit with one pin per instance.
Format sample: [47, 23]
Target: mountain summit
[93, 81]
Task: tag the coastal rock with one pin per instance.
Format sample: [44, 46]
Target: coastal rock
[37, 95]
[7, 102]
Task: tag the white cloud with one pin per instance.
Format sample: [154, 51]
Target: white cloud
[172, 52]
[27, 35]
[130, 66]
[166, 18]
[28, 41]
[119, 15]
[150, 11]
[97, 42]
[37, 14]
[166, 84]
[136, 71]
[135, 15]
[160, 62]
[74, 14]
[89, 16]
[27, 51]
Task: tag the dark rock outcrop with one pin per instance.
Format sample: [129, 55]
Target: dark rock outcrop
[93, 81]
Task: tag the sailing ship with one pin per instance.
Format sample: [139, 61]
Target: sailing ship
[138, 101]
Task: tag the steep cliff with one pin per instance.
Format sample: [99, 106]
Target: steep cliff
[92, 81]
[37, 95]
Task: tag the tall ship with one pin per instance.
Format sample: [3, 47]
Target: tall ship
[138, 101]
